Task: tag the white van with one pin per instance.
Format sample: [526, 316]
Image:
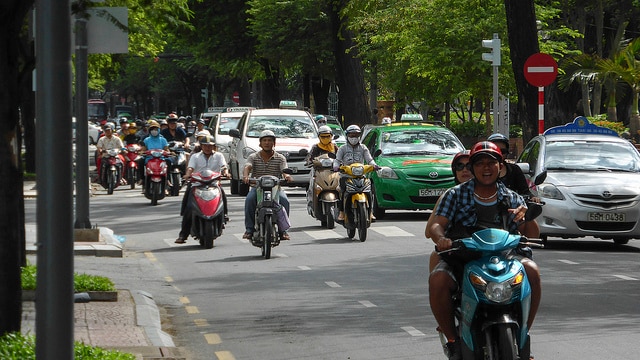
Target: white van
[295, 130]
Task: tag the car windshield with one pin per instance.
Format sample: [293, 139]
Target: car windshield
[282, 125]
[419, 142]
[227, 123]
[591, 155]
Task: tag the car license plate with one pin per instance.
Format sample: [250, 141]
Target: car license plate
[606, 217]
[294, 170]
[431, 192]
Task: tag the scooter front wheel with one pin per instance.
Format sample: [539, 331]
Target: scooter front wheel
[207, 231]
[328, 211]
[363, 217]
[154, 189]
[268, 237]
[131, 177]
[111, 182]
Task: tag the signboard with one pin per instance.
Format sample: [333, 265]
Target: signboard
[540, 69]
[103, 36]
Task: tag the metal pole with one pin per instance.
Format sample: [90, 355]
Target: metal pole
[54, 290]
[82, 136]
[540, 110]
[496, 101]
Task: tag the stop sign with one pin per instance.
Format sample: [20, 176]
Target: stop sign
[540, 69]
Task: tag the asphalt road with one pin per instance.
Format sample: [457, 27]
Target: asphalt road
[323, 296]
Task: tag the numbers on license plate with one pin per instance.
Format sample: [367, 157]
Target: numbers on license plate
[294, 170]
[606, 217]
[431, 192]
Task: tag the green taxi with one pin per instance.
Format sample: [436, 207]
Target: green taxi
[416, 165]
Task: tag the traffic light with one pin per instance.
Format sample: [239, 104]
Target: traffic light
[205, 93]
[494, 45]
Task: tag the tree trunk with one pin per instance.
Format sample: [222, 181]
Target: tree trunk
[353, 98]
[523, 42]
[320, 88]
[12, 209]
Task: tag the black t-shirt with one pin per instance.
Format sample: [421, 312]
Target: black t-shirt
[515, 179]
[181, 135]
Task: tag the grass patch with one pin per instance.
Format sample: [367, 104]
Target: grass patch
[81, 282]
[15, 346]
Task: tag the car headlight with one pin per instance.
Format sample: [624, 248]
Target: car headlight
[387, 173]
[247, 151]
[549, 191]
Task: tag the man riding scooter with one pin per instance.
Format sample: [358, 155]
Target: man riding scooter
[207, 159]
[108, 142]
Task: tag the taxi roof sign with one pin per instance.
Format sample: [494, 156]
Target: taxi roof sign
[580, 125]
[411, 117]
[240, 108]
[288, 104]
[216, 109]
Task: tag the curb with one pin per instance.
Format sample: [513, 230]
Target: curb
[148, 317]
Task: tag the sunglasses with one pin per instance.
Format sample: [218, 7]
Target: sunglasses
[462, 166]
[326, 135]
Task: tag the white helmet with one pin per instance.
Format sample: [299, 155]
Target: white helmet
[267, 133]
[324, 130]
[386, 120]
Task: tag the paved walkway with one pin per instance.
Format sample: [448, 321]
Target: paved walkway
[131, 324]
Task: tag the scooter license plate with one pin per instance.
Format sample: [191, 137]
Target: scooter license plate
[431, 192]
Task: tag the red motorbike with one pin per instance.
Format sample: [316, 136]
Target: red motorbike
[206, 205]
[111, 172]
[155, 179]
[132, 166]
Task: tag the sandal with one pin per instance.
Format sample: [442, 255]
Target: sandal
[285, 236]
[247, 235]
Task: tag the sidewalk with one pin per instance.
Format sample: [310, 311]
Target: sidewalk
[131, 324]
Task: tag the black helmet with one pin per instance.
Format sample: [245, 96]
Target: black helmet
[494, 138]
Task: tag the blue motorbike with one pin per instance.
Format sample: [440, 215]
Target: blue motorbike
[492, 307]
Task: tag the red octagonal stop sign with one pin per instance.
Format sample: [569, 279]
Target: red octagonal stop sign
[540, 69]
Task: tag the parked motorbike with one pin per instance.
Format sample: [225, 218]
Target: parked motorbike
[178, 168]
[357, 212]
[493, 304]
[155, 175]
[323, 195]
[132, 166]
[270, 218]
[206, 205]
[111, 170]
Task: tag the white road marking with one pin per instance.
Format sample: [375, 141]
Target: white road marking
[391, 231]
[368, 304]
[323, 234]
[413, 331]
[625, 277]
[332, 284]
[304, 267]
[569, 262]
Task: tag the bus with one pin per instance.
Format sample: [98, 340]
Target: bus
[97, 111]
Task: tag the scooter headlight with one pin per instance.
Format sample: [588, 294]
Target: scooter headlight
[326, 163]
[499, 292]
[206, 194]
[357, 170]
[267, 183]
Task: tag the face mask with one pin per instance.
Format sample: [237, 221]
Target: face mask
[325, 140]
[353, 140]
[154, 132]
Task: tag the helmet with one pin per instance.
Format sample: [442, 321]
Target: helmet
[133, 126]
[206, 140]
[353, 129]
[153, 124]
[182, 119]
[192, 123]
[163, 122]
[200, 121]
[485, 148]
[139, 123]
[324, 130]
[109, 126]
[267, 133]
[172, 117]
[123, 120]
[456, 158]
[499, 138]
[386, 120]
[320, 118]
[202, 133]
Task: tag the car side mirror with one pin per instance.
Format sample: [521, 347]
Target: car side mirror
[234, 133]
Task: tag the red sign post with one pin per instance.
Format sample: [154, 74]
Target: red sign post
[540, 70]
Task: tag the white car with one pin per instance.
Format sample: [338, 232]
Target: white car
[93, 130]
[295, 131]
[220, 125]
[592, 186]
